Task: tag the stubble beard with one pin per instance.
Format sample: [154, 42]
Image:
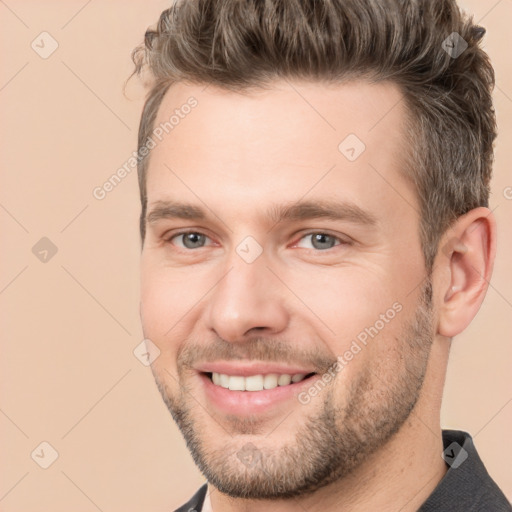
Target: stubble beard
[328, 445]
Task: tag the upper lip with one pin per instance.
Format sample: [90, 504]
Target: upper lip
[251, 368]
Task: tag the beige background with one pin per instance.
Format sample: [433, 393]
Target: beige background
[69, 326]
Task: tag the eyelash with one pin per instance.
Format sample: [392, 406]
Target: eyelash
[310, 233]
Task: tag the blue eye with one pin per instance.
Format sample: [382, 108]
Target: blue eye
[190, 240]
[320, 241]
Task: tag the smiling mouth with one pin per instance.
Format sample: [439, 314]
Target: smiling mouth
[257, 382]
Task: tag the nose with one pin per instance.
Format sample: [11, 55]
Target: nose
[247, 302]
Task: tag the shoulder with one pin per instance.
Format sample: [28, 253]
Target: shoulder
[467, 486]
[195, 504]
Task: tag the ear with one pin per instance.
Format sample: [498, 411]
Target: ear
[465, 262]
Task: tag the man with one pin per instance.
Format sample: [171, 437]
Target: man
[314, 180]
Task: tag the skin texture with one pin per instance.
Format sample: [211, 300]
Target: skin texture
[371, 440]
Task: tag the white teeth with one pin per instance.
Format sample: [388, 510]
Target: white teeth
[223, 380]
[236, 384]
[255, 382]
[270, 381]
[284, 380]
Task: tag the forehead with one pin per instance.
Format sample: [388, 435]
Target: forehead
[278, 141]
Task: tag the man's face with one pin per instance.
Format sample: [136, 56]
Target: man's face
[302, 258]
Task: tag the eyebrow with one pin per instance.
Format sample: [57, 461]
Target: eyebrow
[174, 210]
[301, 210]
[334, 210]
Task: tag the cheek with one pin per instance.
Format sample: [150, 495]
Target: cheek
[361, 314]
[158, 310]
[155, 306]
[166, 295]
[345, 300]
[169, 309]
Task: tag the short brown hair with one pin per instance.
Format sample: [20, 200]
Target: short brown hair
[244, 44]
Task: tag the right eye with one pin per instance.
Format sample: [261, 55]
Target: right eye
[189, 240]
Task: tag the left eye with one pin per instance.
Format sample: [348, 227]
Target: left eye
[319, 241]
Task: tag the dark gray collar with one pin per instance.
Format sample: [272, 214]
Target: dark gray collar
[466, 487]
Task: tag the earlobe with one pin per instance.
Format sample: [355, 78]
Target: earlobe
[466, 260]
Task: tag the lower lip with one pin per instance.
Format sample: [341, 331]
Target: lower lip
[252, 402]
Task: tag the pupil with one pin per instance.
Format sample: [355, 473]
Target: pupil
[322, 241]
[193, 240]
